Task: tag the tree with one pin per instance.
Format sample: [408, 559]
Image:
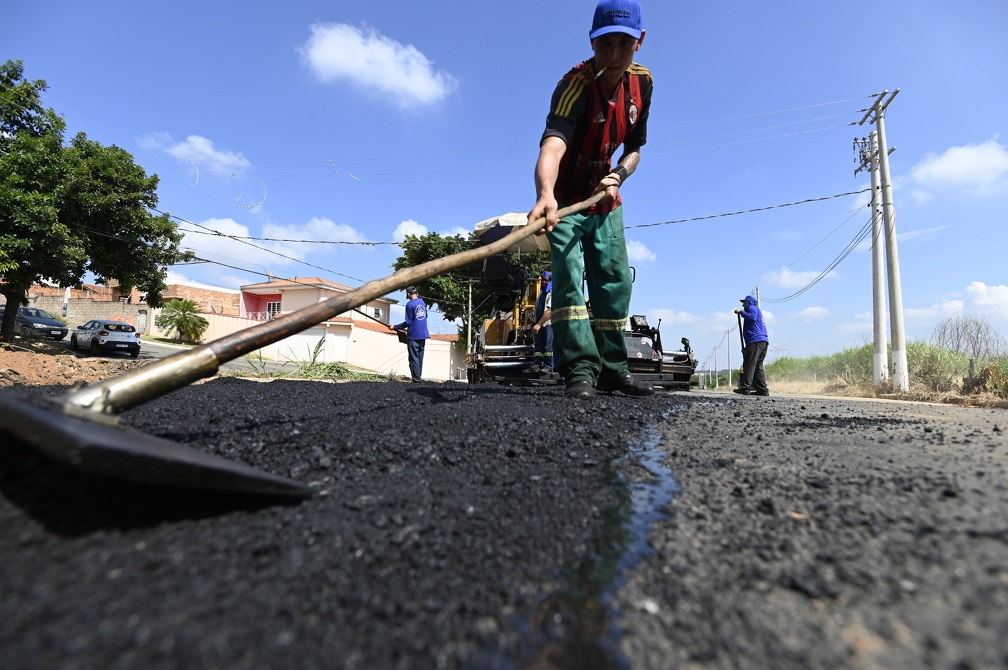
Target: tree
[69, 210]
[183, 318]
[970, 335]
[449, 293]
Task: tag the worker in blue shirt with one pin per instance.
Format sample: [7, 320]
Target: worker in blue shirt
[754, 336]
[415, 326]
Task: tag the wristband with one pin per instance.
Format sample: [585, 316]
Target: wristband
[621, 171]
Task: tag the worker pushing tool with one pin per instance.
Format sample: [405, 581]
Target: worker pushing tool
[599, 105]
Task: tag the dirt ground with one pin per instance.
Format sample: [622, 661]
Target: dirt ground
[35, 364]
[493, 528]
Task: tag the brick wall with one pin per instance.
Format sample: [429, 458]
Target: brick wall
[81, 311]
[209, 301]
[92, 301]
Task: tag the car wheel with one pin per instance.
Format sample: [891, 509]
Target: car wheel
[73, 342]
[25, 333]
[135, 354]
[94, 348]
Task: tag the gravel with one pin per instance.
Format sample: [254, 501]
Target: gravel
[493, 527]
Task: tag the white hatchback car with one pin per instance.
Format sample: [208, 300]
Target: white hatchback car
[104, 336]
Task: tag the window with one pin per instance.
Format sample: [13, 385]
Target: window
[272, 309]
[377, 313]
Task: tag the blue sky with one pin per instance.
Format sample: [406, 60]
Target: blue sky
[361, 122]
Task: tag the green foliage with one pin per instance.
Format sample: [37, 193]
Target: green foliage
[935, 368]
[995, 380]
[930, 368]
[312, 369]
[850, 366]
[260, 367]
[449, 293]
[67, 210]
[182, 317]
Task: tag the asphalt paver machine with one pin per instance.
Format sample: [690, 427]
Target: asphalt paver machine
[503, 350]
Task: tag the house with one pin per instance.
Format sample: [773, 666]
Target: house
[269, 300]
[359, 338]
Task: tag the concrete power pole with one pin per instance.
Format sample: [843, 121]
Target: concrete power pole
[900, 376]
[469, 346]
[728, 340]
[869, 157]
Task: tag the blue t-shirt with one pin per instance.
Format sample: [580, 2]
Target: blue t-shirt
[754, 330]
[415, 324]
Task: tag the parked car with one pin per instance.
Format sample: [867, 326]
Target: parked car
[104, 336]
[34, 322]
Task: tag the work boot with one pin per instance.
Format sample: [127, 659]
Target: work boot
[580, 389]
[743, 391]
[626, 384]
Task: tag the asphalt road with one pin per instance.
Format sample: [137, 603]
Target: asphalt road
[491, 527]
[156, 350]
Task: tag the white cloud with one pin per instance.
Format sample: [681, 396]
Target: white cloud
[638, 252]
[919, 235]
[408, 227]
[172, 277]
[993, 298]
[667, 316]
[786, 278]
[811, 314]
[400, 74]
[224, 249]
[260, 255]
[980, 169]
[201, 151]
[862, 323]
[457, 230]
[939, 310]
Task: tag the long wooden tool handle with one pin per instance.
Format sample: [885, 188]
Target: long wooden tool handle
[169, 374]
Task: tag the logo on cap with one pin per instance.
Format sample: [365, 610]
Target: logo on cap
[617, 16]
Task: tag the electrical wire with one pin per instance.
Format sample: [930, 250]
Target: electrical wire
[828, 235]
[780, 111]
[861, 235]
[748, 211]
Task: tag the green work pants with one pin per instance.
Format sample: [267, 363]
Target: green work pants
[592, 245]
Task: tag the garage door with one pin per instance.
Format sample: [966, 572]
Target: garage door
[301, 347]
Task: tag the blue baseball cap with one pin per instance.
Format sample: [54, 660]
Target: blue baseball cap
[546, 275]
[617, 16]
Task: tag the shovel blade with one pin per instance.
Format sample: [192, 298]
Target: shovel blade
[124, 453]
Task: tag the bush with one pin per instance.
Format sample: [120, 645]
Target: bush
[934, 368]
[183, 318]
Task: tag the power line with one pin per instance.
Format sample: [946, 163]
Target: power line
[863, 233]
[853, 214]
[260, 248]
[780, 111]
[242, 238]
[750, 211]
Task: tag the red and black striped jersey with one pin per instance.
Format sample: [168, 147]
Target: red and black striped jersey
[594, 127]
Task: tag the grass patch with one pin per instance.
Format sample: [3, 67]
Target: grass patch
[311, 369]
[936, 374]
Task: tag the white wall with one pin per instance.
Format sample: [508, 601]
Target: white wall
[356, 346]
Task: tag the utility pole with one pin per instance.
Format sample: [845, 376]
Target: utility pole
[868, 150]
[728, 339]
[900, 376]
[469, 346]
[715, 368]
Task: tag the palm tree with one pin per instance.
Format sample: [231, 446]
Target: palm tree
[182, 317]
